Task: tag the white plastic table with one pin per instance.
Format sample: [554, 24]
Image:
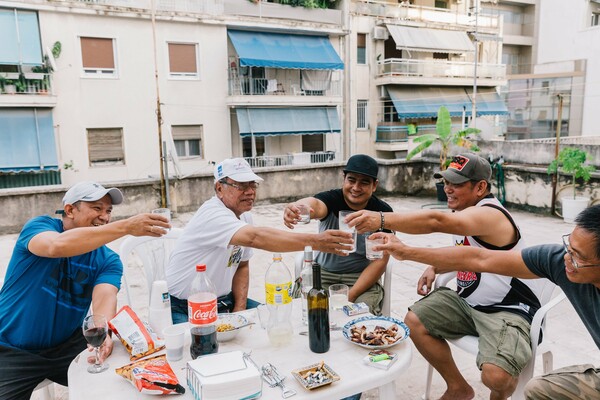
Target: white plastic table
[343, 357]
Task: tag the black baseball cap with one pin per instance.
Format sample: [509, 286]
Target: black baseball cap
[362, 164]
[466, 167]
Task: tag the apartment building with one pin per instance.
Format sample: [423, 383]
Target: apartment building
[87, 84]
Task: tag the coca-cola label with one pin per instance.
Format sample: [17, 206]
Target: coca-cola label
[202, 313]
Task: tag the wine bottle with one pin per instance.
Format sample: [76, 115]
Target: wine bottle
[318, 314]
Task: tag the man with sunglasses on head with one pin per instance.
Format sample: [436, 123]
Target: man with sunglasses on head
[574, 266]
[221, 235]
[360, 274]
[501, 308]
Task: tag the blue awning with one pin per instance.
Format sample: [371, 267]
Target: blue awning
[488, 102]
[279, 50]
[27, 140]
[20, 33]
[288, 121]
[424, 102]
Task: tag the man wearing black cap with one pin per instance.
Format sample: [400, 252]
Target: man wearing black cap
[361, 275]
[501, 308]
[59, 267]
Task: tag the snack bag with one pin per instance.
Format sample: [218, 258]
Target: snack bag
[152, 375]
[137, 337]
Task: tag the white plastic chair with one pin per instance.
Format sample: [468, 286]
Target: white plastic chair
[44, 390]
[470, 344]
[296, 91]
[154, 254]
[387, 282]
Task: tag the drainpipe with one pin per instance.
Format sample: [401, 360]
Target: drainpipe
[556, 147]
[347, 96]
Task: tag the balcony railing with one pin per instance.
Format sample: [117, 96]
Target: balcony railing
[243, 86]
[212, 7]
[438, 69]
[319, 157]
[409, 12]
[30, 83]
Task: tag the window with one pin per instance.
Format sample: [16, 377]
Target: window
[596, 18]
[105, 146]
[441, 56]
[361, 48]
[313, 143]
[361, 114]
[98, 56]
[188, 140]
[441, 4]
[259, 142]
[183, 60]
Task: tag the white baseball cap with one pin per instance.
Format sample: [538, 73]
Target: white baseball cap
[237, 169]
[91, 191]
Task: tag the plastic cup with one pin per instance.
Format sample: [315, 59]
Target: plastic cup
[344, 227]
[165, 212]
[338, 296]
[304, 213]
[370, 253]
[174, 338]
[263, 315]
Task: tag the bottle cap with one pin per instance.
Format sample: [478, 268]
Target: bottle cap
[277, 256]
[307, 248]
[201, 267]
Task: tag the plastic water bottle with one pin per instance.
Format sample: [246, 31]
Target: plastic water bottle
[278, 286]
[202, 314]
[159, 312]
[306, 281]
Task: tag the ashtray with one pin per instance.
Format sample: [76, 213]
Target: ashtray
[315, 375]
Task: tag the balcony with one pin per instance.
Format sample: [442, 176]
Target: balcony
[435, 72]
[186, 7]
[27, 90]
[431, 16]
[318, 157]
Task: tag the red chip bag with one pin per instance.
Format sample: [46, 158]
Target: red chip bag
[137, 337]
[152, 375]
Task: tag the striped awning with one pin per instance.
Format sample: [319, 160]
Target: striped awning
[430, 40]
[287, 121]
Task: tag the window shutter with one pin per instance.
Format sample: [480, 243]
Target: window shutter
[105, 145]
[182, 58]
[97, 53]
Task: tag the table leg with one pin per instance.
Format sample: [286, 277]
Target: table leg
[387, 391]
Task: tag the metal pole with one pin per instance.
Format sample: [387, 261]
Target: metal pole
[163, 190]
[476, 55]
[556, 147]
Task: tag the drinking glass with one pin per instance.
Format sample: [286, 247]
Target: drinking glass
[338, 298]
[304, 213]
[165, 212]
[370, 253]
[344, 227]
[95, 329]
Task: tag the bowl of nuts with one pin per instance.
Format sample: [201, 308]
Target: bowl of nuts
[228, 326]
[315, 375]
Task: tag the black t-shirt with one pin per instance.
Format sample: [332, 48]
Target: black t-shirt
[356, 261]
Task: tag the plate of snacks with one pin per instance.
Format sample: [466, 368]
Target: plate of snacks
[228, 326]
[315, 375]
[376, 332]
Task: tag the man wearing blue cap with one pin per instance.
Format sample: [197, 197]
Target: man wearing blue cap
[58, 269]
[355, 270]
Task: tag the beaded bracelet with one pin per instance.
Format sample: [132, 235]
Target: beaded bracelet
[382, 220]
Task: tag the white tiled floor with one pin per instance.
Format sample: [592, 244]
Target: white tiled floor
[572, 343]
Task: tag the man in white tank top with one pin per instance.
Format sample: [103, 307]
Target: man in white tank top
[486, 305]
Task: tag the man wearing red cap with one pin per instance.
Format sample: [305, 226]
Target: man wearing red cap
[58, 269]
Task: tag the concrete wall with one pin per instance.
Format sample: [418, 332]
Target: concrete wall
[526, 187]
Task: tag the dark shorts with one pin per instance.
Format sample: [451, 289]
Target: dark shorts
[179, 310]
[21, 371]
[504, 338]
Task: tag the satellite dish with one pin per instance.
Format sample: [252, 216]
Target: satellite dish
[51, 59]
[485, 126]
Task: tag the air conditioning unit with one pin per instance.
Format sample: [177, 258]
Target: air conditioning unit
[380, 33]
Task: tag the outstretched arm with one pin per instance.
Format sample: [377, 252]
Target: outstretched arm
[291, 213]
[456, 258]
[77, 241]
[277, 240]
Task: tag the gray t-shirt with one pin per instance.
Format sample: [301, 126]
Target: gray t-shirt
[547, 261]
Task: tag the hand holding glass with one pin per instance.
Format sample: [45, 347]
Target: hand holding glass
[370, 253]
[95, 329]
[344, 227]
[304, 213]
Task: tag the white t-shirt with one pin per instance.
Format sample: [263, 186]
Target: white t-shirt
[205, 240]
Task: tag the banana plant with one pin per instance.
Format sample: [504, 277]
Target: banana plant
[446, 137]
[571, 161]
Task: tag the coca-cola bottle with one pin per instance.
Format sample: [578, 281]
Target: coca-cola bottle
[202, 314]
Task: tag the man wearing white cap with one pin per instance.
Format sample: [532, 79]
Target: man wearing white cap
[221, 235]
[58, 269]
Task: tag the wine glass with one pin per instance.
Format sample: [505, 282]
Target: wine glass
[95, 329]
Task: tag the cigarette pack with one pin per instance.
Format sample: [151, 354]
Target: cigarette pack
[382, 359]
[355, 309]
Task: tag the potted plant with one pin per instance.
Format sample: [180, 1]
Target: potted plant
[446, 138]
[572, 161]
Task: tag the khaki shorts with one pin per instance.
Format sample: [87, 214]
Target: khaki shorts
[503, 336]
[577, 382]
[372, 296]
